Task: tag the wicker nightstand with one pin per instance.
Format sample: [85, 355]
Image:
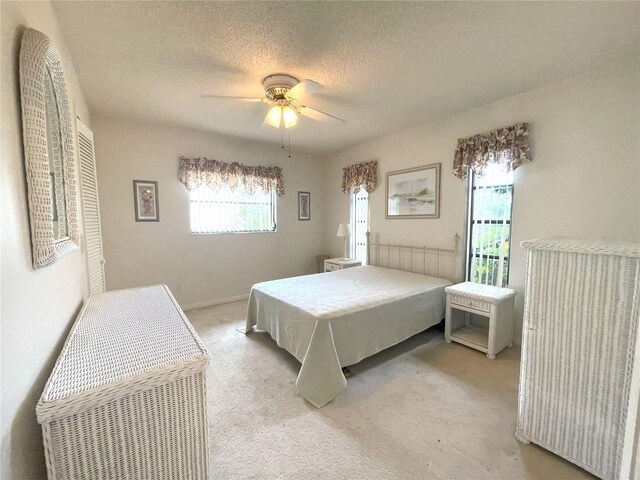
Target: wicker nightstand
[487, 301]
[333, 264]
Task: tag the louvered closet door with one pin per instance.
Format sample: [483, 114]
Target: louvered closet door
[91, 210]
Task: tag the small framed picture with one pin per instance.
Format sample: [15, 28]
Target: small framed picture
[304, 206]
[414, 192]
[145, 200]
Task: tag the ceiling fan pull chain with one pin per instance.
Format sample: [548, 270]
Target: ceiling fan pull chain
[289, 144]
[282, 132]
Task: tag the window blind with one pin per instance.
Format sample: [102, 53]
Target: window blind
[231, 211]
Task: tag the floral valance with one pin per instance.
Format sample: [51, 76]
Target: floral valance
[507, 146]
[365, 174]
[194, 172]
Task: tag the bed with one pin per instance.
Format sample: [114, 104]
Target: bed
[336, 319]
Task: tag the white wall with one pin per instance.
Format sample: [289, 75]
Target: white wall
[207, 267]
[38, 307]
[584, 179]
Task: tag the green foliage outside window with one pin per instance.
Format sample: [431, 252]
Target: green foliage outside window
[490, 228]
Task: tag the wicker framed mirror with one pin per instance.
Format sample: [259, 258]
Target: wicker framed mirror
[48, 151]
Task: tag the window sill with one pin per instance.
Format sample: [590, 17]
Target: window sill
[195, 234]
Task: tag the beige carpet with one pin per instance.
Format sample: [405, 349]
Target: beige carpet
[422, 409]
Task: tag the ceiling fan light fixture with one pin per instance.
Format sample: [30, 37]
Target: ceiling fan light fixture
[290, 117]
[274, 117]
[276, 86]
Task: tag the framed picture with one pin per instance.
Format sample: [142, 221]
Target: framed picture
[414, 192]
[145, 201]
[304, 206]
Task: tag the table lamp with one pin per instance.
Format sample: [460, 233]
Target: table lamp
[344, 230]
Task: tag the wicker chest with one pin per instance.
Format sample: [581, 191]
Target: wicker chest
[127, 396]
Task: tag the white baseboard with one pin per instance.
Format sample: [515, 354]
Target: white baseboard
[219, 301]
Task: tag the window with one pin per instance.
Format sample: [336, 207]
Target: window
[230, 211]
[489, 226]
[359, 224]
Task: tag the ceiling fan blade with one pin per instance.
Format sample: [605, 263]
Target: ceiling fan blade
[318, 115]
[242, 99]
[304, 89]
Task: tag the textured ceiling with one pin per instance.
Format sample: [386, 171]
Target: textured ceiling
[386, 66]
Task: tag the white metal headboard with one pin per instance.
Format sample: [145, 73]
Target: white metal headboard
[425, 256]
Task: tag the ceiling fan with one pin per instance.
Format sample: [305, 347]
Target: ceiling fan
[286, 94]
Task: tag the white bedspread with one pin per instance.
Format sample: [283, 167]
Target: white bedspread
[331, 320]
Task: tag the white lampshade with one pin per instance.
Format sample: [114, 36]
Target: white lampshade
[274, 117]
[344, 230]
[289, 116]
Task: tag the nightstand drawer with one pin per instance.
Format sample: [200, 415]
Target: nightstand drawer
[330, 267]
[334, 264]
[471, 303]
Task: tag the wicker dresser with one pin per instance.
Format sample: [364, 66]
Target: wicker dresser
[580, 369]
[127, 398]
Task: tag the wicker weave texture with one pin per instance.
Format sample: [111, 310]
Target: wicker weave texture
[154, 434]
[37, 59]
[120, 335]
[487, 293]
[126, 398]
[620, 247]
[579, 343]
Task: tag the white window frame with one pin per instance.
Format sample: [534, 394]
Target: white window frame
[359, 226]
[203, 230]
[499, 279]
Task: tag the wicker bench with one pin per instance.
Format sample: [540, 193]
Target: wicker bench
[127, 398]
